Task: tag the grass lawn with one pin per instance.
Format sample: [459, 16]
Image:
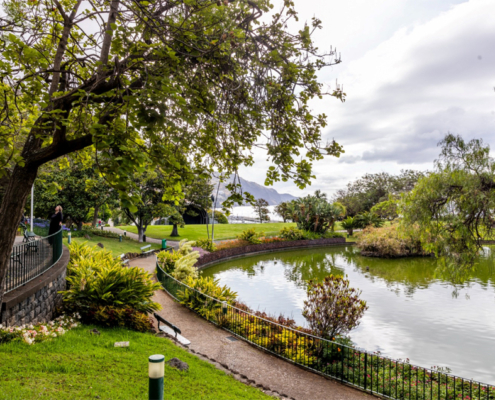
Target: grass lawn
[79, 365]
[195, 232]
[116, 247]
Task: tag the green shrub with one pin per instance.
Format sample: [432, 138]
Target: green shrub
[167, 260]
[389, 242]
[206, 244]
[251, 235]
[327, 235]
[119, 317]
[200, 303]
[219, 217]
[185, 247]
[99, 280]
[291, 234]
[332, 307]
[184, 267]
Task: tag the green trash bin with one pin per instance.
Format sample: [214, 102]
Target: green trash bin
[164, 243]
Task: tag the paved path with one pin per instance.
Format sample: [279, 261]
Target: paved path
[248, 364]
[134, 236]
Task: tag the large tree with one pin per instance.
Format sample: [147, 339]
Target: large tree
[150, 188]
[454, 206]
[170, 83]
[76, 188]
[364, 193]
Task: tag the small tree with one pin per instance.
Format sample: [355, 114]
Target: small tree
[349, 224]
[333, 308]
[260, 207]
[283, 209]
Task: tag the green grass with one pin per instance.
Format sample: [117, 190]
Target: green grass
[195, 232]
[116, 247]
[83, 366]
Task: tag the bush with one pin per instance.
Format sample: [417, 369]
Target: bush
[184, 267]
[206, 244]
[251, 235]
[389, 242]
[167, 260]
[99, 280]
[333, 308]
[220, 217]
[202, 304]
[125, 317]
[291, 234]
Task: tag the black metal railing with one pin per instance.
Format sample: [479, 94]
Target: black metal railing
[371, 372]
[31, 259]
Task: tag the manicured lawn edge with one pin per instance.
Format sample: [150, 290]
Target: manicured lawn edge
[79, 365]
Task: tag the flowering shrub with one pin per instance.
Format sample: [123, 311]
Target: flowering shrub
[274, 239]
[31, 334]
[231, 244]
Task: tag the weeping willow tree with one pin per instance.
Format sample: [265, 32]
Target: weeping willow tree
[454, 206]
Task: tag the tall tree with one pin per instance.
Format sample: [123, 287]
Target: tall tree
[364, 193]
[261, 209]
[454, 206]
[283, 209]
[170, 83]
[76, 188]
[150, 188]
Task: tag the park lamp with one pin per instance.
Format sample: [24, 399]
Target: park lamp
[69, 237]
[156, 376]
[224, 307]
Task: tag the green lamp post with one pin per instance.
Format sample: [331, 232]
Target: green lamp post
[156, 376]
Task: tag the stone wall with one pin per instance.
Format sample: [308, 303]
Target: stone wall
[37, 300]
[212, 258]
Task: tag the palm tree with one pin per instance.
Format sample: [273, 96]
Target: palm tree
[349, 224]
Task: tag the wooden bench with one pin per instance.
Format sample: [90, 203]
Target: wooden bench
[144, 252]
[171, 330]
[124, 262]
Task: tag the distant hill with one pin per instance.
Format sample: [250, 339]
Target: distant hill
[258, 191]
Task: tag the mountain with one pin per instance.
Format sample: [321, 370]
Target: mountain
[258, 191]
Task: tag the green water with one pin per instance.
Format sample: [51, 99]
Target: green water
[414, 310]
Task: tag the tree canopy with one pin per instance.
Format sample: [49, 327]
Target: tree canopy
[176, 86]
[364, 193]
[454, 206]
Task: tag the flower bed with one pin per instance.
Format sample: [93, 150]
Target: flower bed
[32, 334]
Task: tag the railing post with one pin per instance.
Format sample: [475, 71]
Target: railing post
[365, 369]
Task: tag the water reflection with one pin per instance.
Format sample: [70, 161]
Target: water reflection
[415, 310]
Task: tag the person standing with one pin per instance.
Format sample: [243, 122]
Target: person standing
[55, 222]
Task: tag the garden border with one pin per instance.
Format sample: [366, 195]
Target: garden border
[222, 255]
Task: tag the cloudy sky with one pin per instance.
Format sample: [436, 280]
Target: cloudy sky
[413, 70]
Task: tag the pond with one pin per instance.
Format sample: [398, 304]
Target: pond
[414, 310]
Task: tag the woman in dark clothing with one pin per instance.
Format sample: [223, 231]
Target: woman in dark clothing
[55, 222]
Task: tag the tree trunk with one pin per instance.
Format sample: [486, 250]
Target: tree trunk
[95, 216]
[141, 231]
[79, 226]
[14, 199]
[175, 231]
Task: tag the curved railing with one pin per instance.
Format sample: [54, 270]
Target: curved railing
[371, 372]
[29, 260]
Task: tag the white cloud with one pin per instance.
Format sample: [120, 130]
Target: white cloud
[417, 71]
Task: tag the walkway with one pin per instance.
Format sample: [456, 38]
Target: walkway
[134, 236]
[248, 364]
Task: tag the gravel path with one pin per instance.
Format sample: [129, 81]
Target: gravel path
[246, 363]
